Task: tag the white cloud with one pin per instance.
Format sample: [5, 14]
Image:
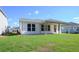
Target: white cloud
[29, 14]
[36, 12]
[76, 18]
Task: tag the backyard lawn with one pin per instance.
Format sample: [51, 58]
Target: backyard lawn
[40, 43]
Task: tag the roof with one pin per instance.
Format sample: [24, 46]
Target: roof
[54, 21]
[72, 23]
[41, 21]
[3, 13]
[47, 21]
[31, 20]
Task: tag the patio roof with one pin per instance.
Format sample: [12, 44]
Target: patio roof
[55, 21]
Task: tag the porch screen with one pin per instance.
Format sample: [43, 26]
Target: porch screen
[54, 28]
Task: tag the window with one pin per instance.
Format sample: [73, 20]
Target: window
[33, 27]
[45, 27]
[48, 27]
[54, 28]
[30, 27]
[42, 27]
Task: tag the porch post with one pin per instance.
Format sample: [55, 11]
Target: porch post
[45, 29]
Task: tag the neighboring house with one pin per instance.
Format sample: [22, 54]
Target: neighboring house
[70, 28]
[14, 29]
[29, 26]
[3, 22]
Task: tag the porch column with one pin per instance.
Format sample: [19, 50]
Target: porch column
[45, 28]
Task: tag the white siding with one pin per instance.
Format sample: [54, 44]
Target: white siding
[37, 30]
[23, 28]
[3, 23]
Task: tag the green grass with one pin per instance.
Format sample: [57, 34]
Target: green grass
[50, 42]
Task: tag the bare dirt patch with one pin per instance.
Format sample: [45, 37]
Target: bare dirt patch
[47, 48]
[2, 37]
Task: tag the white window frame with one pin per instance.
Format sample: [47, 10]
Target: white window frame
[31, 27]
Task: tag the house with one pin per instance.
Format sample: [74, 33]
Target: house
[70, 27]
[3, 22]
[14, 29]
[37, 26]
[50, 26]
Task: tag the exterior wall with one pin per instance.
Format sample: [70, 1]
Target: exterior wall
[23, 28]
[3, 23]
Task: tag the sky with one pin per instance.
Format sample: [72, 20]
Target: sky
[62, 13]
